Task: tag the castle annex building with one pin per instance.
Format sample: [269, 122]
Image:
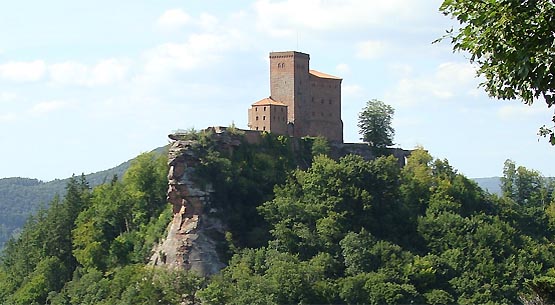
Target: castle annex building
[302, 102]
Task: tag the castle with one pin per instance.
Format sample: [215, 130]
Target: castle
[302, 102]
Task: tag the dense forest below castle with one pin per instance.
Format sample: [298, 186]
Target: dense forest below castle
[303, 229]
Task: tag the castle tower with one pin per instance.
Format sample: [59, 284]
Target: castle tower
[289, 84]
[310, 99]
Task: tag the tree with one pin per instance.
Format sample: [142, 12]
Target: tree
[374, 122]
[512, 43]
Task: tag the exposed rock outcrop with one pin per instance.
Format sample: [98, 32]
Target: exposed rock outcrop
[193, 234]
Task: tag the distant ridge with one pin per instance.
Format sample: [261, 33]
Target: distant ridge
[491, 184]
[21, 197]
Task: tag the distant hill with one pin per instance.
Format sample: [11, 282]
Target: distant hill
[21, 197]
[492, 184]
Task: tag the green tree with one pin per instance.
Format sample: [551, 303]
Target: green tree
[512, 43]
[374, 122]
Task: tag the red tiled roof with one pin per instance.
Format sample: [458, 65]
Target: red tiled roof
[323, 75]
[268, 101]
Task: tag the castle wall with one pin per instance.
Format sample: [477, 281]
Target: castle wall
[268, 118]
[288, 80]
[312, 101]
[324, 118]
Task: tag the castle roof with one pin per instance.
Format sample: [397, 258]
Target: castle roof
[268, 101]
[322, 75]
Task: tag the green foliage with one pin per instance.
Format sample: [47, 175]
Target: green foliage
[243, 180]
[374, 122]
[22, 197]
[512, 43]
[114, 225]
[345, 231]
[370, 233]
[320, 146]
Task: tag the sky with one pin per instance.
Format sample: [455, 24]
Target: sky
[86, 85]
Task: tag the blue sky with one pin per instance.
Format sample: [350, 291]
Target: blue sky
[86, 85]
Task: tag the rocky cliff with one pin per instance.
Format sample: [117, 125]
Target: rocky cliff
[196, 235]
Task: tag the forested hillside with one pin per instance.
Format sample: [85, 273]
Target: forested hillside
[345, 231]
[21, 197]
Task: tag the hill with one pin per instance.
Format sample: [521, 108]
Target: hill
[21, 197]
[338, 231]
[492, 184]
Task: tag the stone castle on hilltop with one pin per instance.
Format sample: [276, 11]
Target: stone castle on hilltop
[302, 102]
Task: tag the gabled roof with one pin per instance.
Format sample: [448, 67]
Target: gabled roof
[268, 101]
[323, 75]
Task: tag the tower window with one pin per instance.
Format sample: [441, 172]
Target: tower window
[264, 108]
[257, 118]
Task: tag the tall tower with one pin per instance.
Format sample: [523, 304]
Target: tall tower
[302, 102]
[290, 84]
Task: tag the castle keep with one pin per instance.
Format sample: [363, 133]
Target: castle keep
[302, 102]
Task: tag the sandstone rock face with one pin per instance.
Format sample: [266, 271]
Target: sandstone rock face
[193, 234]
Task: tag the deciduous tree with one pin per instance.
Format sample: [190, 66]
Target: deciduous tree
[512, 43]
[374, 122]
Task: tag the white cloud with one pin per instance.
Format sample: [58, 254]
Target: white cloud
[173, 19]
[208, 21]
[23, 71]
[449, 80]
[371, 49]
[280, 18]
[343, 69]
[200, 50]
[7, 96]
[47, 107]
[68, 72]
[108, 71]
[8, 117]
[352, 90]
[519, 111]
[105, 72]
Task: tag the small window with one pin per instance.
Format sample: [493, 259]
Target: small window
[264, 108]
[263, 118]
[257, 118]
[256, 127]
[264, 128]
[313, 99]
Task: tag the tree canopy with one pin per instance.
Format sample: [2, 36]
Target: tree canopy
[513, 44]
[334, 231]
[374, 122]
